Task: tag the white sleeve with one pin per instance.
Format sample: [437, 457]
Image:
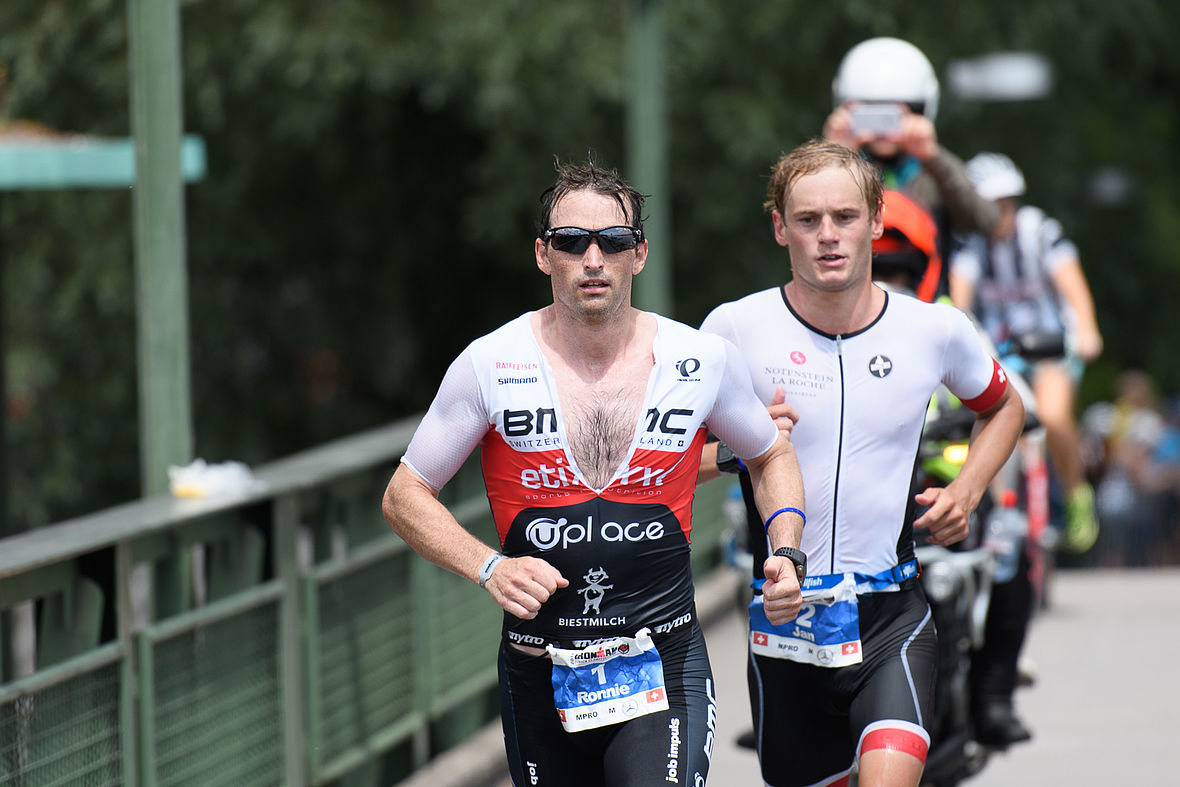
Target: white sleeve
[738, 417]
[719, 322]
[451, 429]
[968, 369]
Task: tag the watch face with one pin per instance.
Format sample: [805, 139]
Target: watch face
[727, 461]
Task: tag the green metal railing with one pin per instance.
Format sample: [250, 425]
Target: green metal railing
[282, 635]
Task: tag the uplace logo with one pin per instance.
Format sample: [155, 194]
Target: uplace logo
[546, 533]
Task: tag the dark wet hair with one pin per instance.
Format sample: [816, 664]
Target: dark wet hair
[591, 177]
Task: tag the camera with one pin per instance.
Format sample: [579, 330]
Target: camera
[878, 119]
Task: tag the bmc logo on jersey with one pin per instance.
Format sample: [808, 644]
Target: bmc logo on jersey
[669, 421]
[518, 423]
[543, 420]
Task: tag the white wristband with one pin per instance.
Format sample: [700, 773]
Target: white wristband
[489, 565]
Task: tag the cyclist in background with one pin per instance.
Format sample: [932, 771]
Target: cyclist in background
[1022, 277]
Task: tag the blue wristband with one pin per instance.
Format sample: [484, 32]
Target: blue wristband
[792, 509]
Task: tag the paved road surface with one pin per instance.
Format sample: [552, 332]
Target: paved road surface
[1105, 710]
[1106, 706]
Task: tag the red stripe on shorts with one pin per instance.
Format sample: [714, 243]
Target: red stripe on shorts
[894, 739]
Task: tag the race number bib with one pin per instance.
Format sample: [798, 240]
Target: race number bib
[825, 633]
[608, 683]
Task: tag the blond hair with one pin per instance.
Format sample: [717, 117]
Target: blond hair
[817, 155]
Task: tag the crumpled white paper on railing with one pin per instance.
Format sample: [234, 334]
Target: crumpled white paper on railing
[201, 479]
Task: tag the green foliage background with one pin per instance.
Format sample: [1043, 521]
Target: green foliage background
[374, 170]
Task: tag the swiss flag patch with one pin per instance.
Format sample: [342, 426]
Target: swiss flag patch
[760, 638]
[849, 648]
[655, 695]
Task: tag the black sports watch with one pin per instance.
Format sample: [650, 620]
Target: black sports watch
[727, 460]
[796, 556]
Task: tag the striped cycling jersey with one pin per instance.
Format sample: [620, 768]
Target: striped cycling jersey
[861, 399]
[623, 548]
[1013, 278]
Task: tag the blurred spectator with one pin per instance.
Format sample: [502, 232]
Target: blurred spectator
[1022, 280]
[1135, 447]
[885, 100]
[1167, 479]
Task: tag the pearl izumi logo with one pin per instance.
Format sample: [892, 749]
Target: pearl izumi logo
[880, 366]
[546, 533]
[687, 368]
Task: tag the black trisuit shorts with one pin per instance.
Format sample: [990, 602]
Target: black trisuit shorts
[668, 747]
[811, 722]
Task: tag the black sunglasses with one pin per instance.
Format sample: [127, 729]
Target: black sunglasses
[611, 240]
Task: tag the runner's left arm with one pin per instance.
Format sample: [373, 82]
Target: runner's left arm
[741, 420]
[999, 420]
[1070, 281]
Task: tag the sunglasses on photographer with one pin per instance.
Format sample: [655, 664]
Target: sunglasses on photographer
[611, 240]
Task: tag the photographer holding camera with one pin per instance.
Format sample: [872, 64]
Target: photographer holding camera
[886, 98]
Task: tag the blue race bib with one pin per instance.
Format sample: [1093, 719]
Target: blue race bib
[608, 683]
[826, 631]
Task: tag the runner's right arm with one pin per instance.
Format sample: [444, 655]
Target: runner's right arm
[448, 433]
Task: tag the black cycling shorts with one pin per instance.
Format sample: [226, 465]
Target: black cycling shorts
[810, 721]
[669, 747]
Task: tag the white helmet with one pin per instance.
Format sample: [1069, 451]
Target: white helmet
[887, 69]
[995, 176]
